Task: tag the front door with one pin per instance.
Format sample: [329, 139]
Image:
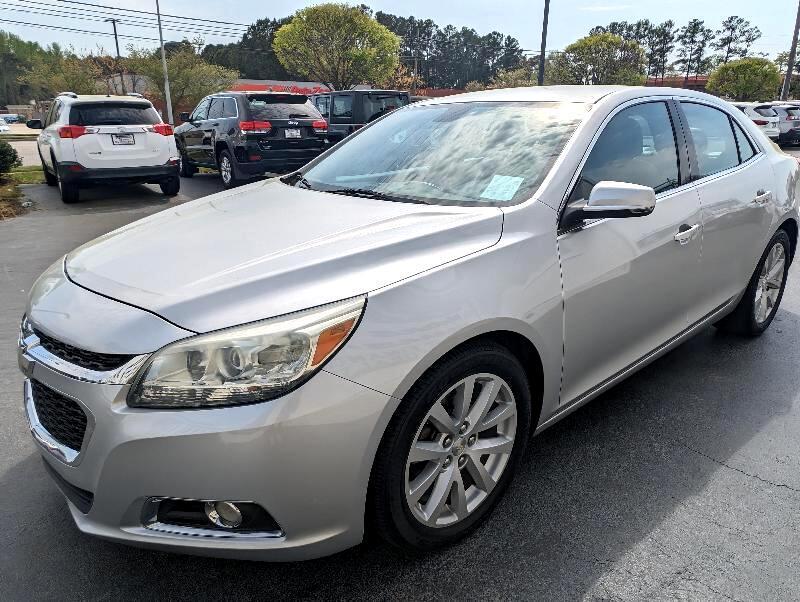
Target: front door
[628, 282]
[193, 137]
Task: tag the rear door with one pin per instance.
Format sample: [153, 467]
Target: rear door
[736, 184]
[118, 134]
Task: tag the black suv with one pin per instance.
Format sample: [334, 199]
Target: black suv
[349, 110]
[248, 134]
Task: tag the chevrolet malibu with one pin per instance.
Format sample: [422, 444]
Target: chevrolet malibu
[371, 341]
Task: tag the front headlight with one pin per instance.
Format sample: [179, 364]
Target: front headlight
[245, 364]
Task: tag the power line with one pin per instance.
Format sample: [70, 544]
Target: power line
[72, 29]
[146, 12]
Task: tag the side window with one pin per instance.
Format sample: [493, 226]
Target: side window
[229, 107]
[200, 112]
[637, 146]
[215, 110]
[59, 108]
[713, 139]
[322, 103]
[746, 150]
[49, 117]
[342, 109]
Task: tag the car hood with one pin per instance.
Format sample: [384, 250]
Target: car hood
[268, 249]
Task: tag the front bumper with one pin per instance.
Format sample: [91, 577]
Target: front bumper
[75, 173]
[305, 458]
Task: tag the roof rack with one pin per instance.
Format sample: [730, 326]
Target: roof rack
[70, 94]
[135, 94]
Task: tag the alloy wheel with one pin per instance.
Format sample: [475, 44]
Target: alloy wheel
[460, 450]
[225, 170]
[770, 282]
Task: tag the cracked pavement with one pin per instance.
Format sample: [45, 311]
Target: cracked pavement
[681, 483]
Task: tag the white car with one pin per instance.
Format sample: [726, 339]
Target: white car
[4, 129]
[763, 115]
[109, 139]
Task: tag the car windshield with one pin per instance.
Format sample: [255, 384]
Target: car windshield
[377, 104]
[274, 106]
[482, 153]
[108, 113]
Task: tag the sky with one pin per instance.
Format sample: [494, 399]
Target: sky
[569, 19]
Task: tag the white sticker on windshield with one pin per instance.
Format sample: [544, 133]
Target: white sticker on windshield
[502, 188]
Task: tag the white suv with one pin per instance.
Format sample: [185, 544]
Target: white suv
[763, 115]
[88, 139]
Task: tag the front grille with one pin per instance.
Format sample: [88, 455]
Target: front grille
[60, 416]
[99, 362]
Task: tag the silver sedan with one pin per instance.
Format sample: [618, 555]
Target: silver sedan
[372, 341]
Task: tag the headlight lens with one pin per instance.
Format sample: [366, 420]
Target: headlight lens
[245, 364]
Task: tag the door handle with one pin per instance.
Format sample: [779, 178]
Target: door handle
[686, 233]
[762, 197]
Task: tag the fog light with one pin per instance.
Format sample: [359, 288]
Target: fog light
[224, 514]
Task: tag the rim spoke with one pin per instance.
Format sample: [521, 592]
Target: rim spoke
[775, 275]
[442, 420]
[483, 480]
[486, 398]
[441, 491]
[496, 416]
[423, 482]
[463, 399]
[493, 445]
[458, 503]
[426, 451]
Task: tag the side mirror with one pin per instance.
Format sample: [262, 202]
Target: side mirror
[184, 117]
[611, 199]
[34, 124]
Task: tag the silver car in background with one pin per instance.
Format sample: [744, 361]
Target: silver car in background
[371, 342]
[789, 122]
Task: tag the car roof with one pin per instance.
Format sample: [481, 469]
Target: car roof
[100, 98]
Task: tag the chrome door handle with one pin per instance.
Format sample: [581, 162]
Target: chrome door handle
[762, 197]
[686, 233]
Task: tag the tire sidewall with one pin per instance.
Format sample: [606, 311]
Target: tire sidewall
[780, 237]
[232, 182]
[484, 359]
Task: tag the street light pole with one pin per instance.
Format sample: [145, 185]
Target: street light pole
[544, 41]
[787, 81]
[167, 97]
[116, 43]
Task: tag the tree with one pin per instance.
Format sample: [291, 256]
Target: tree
[735, 38]
[507, 78]
[603, 58]
[661, 43]
[55, 71]
[745, 79]
[15, 57]
[402, 79]
[337, 44]
[190, 77]
[693, 39]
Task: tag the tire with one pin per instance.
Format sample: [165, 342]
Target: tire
[49, 178]
[757, 308]
[393, 510]
[170, 186]
[70, 193]
[226, 172]
[187, 169]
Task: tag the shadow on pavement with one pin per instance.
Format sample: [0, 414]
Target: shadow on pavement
[591, 489]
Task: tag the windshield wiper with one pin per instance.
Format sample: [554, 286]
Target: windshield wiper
[368, 193]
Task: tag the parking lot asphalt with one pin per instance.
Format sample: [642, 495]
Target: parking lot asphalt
[681, 483]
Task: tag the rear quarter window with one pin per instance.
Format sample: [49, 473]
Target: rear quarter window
[266, 108]
[108, 113]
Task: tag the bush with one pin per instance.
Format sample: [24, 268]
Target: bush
[751, 78]
[9, 159]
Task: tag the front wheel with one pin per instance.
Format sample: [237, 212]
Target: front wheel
[451, 449]
[758, 306]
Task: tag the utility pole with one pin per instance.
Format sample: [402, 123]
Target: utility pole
[119, 66]
[544, 41]
[167, 97]
[787, 81]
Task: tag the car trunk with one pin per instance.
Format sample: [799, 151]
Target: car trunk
[295, 126]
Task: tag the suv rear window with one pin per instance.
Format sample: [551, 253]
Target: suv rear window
[109, 113]
[376, 105]
[276, 106]
[765, 111]
[793, 111]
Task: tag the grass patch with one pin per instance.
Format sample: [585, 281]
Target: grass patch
[33, 175]
[28, 168]
[10, 197]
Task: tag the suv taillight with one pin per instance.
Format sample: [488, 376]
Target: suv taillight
[320, 126]
[164, 129]
[255, 127]
[760, 121]
[71, 131]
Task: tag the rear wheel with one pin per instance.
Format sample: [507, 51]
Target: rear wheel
[69, 191]
[226, 170]
[170, 186]
[758, 306]
[452, 448]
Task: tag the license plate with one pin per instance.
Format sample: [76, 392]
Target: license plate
[292, 133]
[123, 139]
